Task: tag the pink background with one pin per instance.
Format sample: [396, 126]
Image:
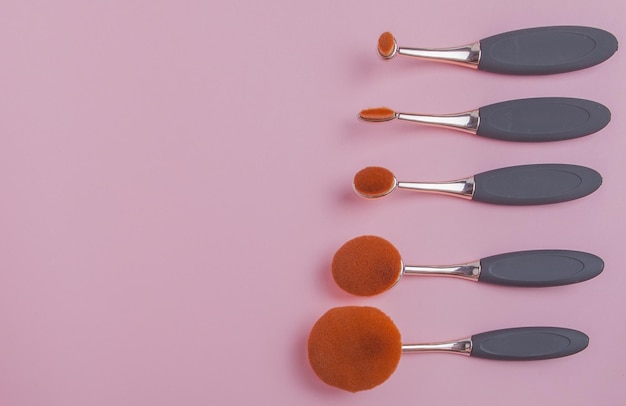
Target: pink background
[175, 177]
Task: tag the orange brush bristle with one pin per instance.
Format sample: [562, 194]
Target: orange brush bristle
[377, 114]
[366, 266]
[386, 45]
[374, 181]
[354, 348]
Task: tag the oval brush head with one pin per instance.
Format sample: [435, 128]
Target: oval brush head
[387, 45]
[354, 348]
[374, 181]
[367, 266]
[377, 114]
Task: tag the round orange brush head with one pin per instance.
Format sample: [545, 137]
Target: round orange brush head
[387, 45]
[354, 348]
[374, 181]
[367, 265]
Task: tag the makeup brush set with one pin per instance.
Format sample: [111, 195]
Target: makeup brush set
[358, 348]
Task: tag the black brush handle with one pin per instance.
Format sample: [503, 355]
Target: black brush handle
[540, 268]
[535, 184]
[528, 343]
[542, 119]
[546, 50]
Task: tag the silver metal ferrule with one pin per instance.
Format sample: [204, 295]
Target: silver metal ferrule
[469, 271]
[467, 121]
[462, 346]
[460, 188]
[464, 55]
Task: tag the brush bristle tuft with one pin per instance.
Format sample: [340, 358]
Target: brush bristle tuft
[366, 266]
[374, 181]
[354, 348]
[386, 45]
[377, 114]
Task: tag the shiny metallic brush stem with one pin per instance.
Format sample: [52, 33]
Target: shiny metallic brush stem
[467, 121]
[462, 346]
[463, 188]
[465, 55]
[469, 271]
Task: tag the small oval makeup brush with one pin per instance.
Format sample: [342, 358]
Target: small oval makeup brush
[531, 51]
[369, 265]
[358, 348]
[538, 119]
[523, 185]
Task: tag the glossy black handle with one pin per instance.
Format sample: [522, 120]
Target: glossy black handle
[546, 50]
[535, 184]
[528, 343]
[542, 119]
[540, 268]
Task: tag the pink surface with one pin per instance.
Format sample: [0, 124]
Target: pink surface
[175, 178]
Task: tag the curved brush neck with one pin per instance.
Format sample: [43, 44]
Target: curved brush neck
[469, 271]
[467, 121]
[463, 188]
[462, 346]
[464, 55]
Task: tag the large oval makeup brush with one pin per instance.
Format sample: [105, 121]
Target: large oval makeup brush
[358, 348]
[369, 265]
[514, 186]
[539, 119]
[532, 51]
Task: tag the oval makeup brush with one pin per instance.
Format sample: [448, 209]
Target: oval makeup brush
[539, 119]
[522, 185]
[532, 51]
[370, 265]
[358, 348]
